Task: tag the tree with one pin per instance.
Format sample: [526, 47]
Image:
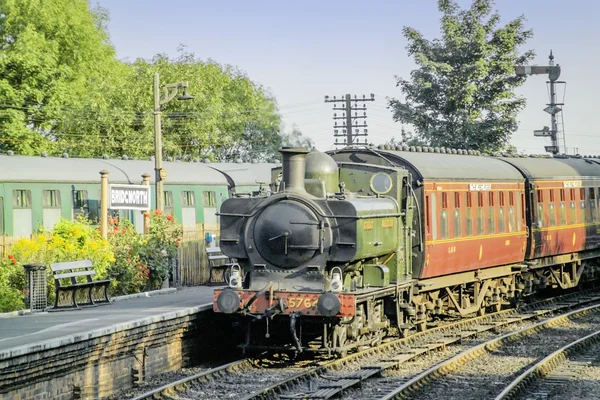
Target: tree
[50, 50]
[462, 93]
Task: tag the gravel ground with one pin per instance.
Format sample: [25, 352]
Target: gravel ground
[486, 376]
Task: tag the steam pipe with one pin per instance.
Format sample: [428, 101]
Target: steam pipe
[294, 166]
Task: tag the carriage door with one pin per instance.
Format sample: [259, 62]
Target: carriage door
[210, 210]
[51, 212]
[22, 213]
[188, 210]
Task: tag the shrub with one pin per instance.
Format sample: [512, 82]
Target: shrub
[12, 283]
[130, 275]
[159, 247]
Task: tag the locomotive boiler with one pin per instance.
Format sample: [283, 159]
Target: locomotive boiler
[315, 260]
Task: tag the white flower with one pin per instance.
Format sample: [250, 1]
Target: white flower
[163, 252]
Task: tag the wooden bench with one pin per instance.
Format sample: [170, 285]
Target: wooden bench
[65, 280]
[218, 261]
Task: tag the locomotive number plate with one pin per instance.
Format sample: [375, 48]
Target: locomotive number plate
[293, 302]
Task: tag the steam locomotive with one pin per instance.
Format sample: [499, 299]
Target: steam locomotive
[362, 243]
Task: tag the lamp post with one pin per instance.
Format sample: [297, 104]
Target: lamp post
[170, 91]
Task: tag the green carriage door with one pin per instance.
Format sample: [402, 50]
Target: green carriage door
[188, 211]
[210, 210]
[51, 211]
[22, 213]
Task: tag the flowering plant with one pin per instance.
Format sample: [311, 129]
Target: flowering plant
[159, 246]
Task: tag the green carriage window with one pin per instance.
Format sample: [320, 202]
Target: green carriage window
[210, 198]
[188, 199]
[51, 199]
[21, 198]
[168, 199]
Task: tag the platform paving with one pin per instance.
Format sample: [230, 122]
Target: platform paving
[24, 333]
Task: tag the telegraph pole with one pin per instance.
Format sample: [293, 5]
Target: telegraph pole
[350, 125]
[553, 108]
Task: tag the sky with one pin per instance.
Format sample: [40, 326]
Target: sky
[302, 51]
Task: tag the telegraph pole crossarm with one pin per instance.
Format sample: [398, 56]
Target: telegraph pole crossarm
[350, 122]
[170, 91]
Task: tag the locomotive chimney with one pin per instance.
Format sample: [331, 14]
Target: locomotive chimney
[293, 165]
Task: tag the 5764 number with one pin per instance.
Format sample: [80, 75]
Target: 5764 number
[301, 302]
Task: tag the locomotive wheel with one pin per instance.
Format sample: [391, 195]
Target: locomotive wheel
[340, 339]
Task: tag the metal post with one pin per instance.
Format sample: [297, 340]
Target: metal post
[157, 144]
[348, 121]
[146, 181]
[554, 125]
[104, 203]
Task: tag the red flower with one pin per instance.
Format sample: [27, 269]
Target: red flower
[157, 212]
[11, 256]
[116, 228]
[170, 217]
[13, 260]
[129, 260]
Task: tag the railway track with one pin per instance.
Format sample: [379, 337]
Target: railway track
[249, 379]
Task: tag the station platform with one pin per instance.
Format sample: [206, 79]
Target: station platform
[21, 334]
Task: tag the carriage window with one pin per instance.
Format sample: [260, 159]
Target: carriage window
[22, 198]
[444, 224]
[469, 218]
[456, 200]
[540, 196]
[51, 199]
[551, 195]
[81, 205]
[511, 198]
[571, 194]
[188, 199]
[582, 194]
[573, 212]
[168, 201]
[457, 227]
[552, 215]
[501, 199]
[491, 227]
[511, 219]
[540, 215]
[491, 199]
[210, 200]
[444, 200]
[562, 195]
[563, 214]
[501, 223]
[469, 201]
[479, 199]
[480, 223]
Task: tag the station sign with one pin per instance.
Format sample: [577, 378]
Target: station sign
[129, 197]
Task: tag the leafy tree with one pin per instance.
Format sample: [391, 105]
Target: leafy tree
[50, 50]
[462, 93]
